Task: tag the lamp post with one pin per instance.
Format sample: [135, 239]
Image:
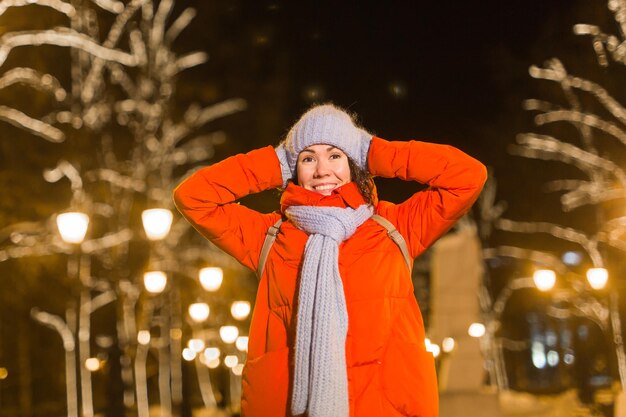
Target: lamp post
[210, 348]
[157, 223]
[69, 346]
[494, 323]
[545, 280]
[72, 227]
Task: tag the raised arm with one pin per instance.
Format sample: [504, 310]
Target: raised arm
[455, 180]
[207, 199]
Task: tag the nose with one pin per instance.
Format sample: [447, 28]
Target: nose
[321, 169]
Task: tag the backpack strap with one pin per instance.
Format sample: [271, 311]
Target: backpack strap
[392, 232]
[396, 237]
[270, 237]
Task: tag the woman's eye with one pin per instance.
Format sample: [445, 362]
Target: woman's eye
[335, 156]
[307, 159]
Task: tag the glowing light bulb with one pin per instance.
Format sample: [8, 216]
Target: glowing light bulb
[242, 343]
[544, 279]
[92, 364]
[199, 312]
[448, 344]
[197, 345]
[476, 330]
[231, 360]
[229, 333]
[597, 277]
[157, 223]
[72, 226]
[155, 281]
[211, 278]
[240, 309]
[189, 354]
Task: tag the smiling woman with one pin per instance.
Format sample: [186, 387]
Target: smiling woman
[360, 176]
[336, 330]
[322, 168]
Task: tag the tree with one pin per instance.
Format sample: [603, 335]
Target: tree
[582, 134]
[105, 107]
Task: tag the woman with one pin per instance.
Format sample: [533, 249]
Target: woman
[336, 330]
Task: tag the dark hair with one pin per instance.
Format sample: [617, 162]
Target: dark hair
[360, 176]
[364, 181]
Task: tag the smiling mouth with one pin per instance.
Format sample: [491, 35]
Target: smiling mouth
[325, 187]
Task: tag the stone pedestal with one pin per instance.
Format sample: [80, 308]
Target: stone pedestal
[456, 277]
[469, 403]
[456, 274]
[620, 404]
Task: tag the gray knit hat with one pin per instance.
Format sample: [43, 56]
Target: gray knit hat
[324, 124]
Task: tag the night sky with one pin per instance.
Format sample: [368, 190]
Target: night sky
[446, 72]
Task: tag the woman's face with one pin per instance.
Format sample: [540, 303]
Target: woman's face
[322, 168]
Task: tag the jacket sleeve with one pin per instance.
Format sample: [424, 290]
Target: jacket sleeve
[207, 199]
[454, 182]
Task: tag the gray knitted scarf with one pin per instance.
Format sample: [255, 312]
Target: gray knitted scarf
[320, 376]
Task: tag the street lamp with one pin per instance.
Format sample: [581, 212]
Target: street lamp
[476, 330]
[212, 353]
[92, 364]
[242, 343]
[197, 345]
[229, 333]
[157, 222]
[155, 281]
[448, 344]
[72, 226]
[433, 348]
[544, 279]
[199, 312]
[143, 337]
[231, 360]
[189, 354]
[597, 278]
[211, 278]
[240, 309]
[213, 363]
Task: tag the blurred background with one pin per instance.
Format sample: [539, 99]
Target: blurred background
[112, 305]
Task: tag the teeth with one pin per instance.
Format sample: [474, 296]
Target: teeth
[325, 187]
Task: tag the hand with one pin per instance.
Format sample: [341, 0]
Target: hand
[281, 153]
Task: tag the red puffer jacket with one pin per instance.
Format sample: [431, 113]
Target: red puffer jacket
[389, 371]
